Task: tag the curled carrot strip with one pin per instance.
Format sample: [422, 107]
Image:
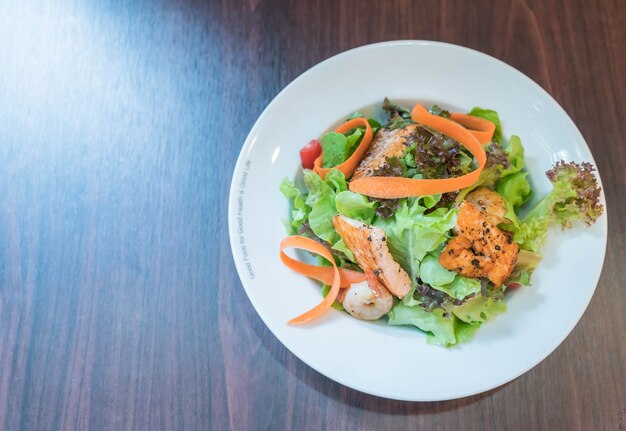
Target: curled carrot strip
[349, 165]
[479, 127]
[339, 276]
[324, 274]
[398, 187]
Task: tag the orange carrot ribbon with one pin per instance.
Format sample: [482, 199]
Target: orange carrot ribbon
[479, 127]
[334, 276]
[398, 187]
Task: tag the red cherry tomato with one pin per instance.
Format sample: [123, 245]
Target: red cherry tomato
[309, 153]
[512, 286]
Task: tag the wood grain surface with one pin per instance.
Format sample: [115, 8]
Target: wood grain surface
[120, 124]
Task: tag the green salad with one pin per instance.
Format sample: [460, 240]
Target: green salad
[439, 262]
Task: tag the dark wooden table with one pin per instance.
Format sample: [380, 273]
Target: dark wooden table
[120, 124]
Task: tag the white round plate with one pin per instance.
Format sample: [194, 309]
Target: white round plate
[388, 361]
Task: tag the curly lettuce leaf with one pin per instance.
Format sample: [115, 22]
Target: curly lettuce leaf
[399, 116]
[440, 328]
[575, 195]
[321, 200]
[515, 150]
[353, 139]
[341, 247]
[337, 180]
[375, 125]
[436, 155]
[443, 329]
[391, 167]
[355, 206]
[411, 234]
[386, 207]
[299, 209]
[465, 331]
[460, 287]
[515, 189]
[479, 309]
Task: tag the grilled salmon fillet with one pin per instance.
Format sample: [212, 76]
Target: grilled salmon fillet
[369, 246]
[459, 256]
[490, 203]
[386, 143]
[480, 249]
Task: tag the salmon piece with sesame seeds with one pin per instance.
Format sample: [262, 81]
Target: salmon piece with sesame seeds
[386, 143]
[369, 246]
[490, 203]
[481, 249]
[458, 256]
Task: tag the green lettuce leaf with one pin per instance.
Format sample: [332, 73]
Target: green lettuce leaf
[299, 209]
[479, 309]
[411, 234]
[321, 200]
[431, 272]
[465, 331]
[440, 328]
[460, 287]
[515, 189]
[353, 139]
[375, 125]
[511, 215]
[342, 247]
[575, 195]
[410, 299]
[337, 180]
[487, 178]
[355, 206]
[515, 150]
[334, 149]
